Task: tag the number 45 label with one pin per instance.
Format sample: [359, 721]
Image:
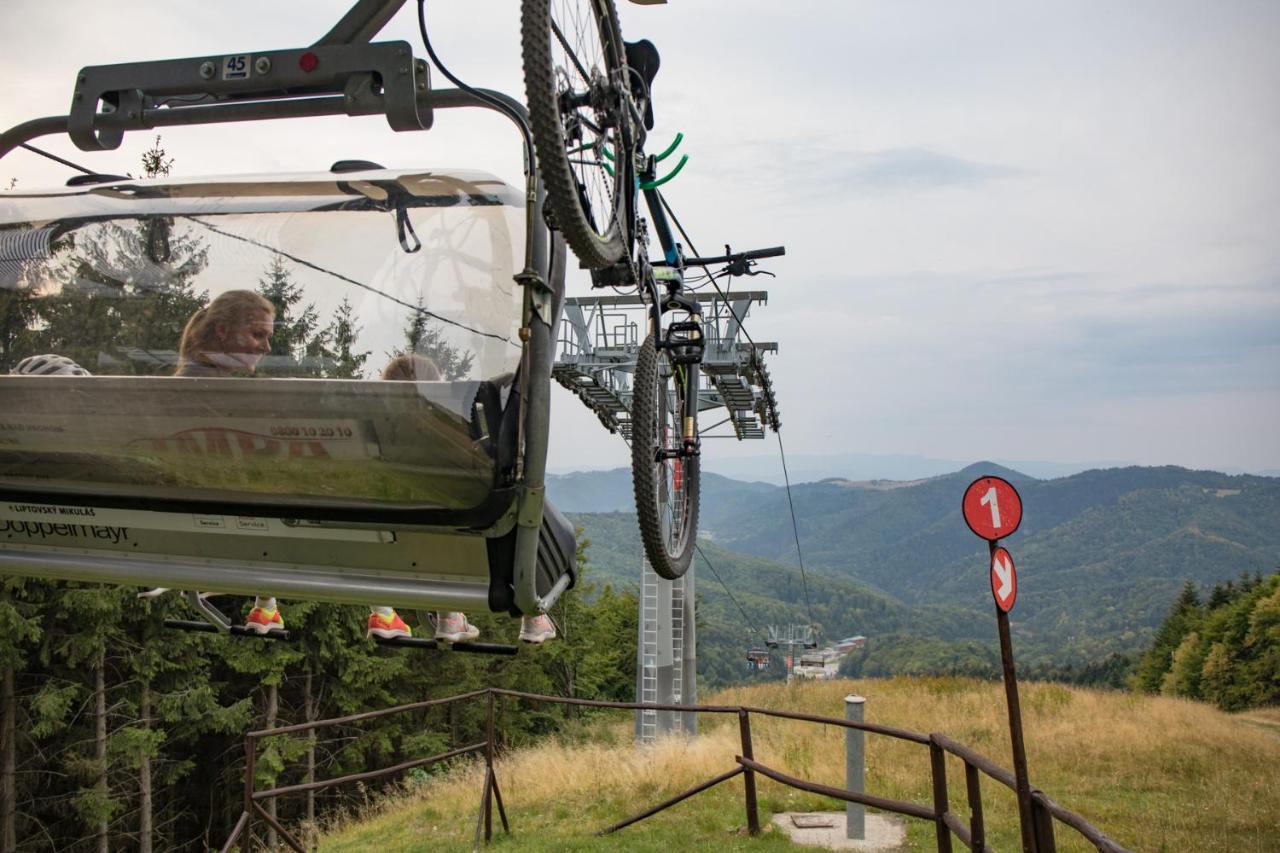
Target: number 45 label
[236, 67]
[992, 508]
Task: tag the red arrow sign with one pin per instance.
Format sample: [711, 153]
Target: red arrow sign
[1004, 579]
[992, 508]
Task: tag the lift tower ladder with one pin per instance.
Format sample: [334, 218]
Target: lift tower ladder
[666, 655]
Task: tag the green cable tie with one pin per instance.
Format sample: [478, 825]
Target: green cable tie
[651, 185]
[672, 147]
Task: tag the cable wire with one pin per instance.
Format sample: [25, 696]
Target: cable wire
[804, 583]
[303, 262]
[55, 158]
[745, 618]
[497, 104]
[795, 528]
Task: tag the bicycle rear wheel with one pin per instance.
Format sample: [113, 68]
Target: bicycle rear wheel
[574, 70]
[666, 489]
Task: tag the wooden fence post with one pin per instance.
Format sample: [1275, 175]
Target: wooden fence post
[749, 777]
[938, 763]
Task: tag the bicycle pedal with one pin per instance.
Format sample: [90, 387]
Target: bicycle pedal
[685, 342]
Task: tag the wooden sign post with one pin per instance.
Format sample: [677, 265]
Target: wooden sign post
[993, 509]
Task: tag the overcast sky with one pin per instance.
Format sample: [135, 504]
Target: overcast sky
[1040, 230]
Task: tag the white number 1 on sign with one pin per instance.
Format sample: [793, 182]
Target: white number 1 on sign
[990, 498]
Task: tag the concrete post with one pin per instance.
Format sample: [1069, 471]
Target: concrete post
[854, 764]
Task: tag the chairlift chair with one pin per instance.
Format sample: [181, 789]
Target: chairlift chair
[302, 481]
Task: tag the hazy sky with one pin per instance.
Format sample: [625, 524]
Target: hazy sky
[1042, 230]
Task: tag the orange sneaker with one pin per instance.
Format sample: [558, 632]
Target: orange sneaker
[387, 627]
[261, 620]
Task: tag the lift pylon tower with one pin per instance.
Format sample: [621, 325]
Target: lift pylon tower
[597, 347]
[666, 655]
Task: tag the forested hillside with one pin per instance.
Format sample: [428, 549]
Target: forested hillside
[1225, 651]
[1101, 555]
[946, 639]
[118, 733]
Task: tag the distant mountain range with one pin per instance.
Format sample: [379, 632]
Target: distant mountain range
[809, 467]
[1100, 554]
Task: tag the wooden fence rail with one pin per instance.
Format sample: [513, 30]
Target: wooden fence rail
[948, 824]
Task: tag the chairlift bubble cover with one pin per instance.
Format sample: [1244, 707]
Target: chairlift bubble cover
[308, 463]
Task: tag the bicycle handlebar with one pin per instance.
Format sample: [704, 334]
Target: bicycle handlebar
[729, 258]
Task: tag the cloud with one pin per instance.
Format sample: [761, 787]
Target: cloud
[818, 172]
[897, 169]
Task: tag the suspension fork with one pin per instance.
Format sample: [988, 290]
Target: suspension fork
[675, 299]
[688, 373]
[691, 444]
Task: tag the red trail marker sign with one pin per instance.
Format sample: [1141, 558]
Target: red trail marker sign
[992, 508]
[1004, 579]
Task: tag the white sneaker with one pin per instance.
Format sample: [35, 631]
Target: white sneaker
[453, 627]
[537, 629]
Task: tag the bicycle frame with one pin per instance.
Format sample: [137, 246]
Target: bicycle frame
[675, 299]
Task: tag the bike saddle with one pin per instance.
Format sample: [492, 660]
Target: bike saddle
[642, 57]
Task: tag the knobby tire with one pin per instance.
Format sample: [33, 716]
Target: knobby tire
[666, 491]
[597, 237]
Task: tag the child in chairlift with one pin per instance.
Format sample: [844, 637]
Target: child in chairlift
[451, 626]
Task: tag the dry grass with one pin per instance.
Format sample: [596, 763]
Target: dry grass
[1154, 773]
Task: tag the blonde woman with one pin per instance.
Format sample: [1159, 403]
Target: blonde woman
[228, 337]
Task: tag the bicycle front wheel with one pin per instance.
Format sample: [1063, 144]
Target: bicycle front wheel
[666, 487]
[574, 64]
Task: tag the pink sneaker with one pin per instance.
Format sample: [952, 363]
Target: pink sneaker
[453, 627]
[537, 629]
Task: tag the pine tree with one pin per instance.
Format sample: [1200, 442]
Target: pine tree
[341, 335]
[119, 293]
[425, 335]
[1185, 665]
[171, 703]
[89, 617]
[1262, 671]
[19, 632]
[1182, 619]
[298, 350]
[17, 315]
[156, 162]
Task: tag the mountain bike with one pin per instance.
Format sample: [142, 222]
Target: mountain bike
[589, 112]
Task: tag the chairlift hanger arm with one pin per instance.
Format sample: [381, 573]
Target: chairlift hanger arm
[223, 113]
[362, 22]
[376, 77]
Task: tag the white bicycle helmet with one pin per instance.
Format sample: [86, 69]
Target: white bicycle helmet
[48, 365]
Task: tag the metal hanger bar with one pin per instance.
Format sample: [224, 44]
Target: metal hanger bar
[362, 22]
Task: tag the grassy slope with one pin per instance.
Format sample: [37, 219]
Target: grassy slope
[1156, 774]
